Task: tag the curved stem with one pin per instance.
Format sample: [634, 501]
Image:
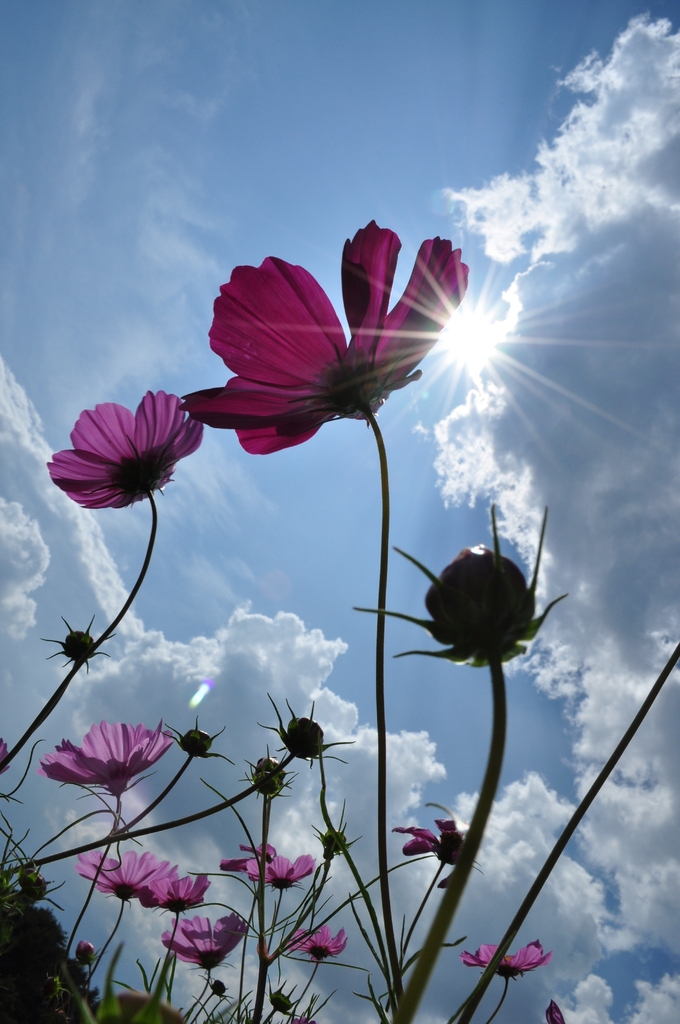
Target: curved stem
[467, 1010]
[381, 723]
[86, 904]
[420, 909]
[147, 810]
[165, 826]
[424, 965]
[505, 992]
[62, 688]
[108, 941]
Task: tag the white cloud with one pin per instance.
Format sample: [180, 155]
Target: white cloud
[612, 157]
[24, 557]
[597, 223]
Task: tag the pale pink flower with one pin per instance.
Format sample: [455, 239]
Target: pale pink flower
[198, 941]
[319, 945]
[111, 755]
[175, 894]
[528, 958]
[125, 878]
[119, 458]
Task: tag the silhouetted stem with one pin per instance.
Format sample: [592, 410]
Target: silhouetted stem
[62, 688]
[429, 953]
[86, 904]
[147, 810]
[468, 1008]
[505, 992]
[262, 951]
[381, 723]
[165, 826]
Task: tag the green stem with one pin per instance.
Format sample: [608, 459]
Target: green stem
[427, 959]
[165, 826]
[86, 904]
[62, 688]
[419, 911]
[262, 951]
[505, 992]
[467, 1010]
[147, 810]
[381, 723]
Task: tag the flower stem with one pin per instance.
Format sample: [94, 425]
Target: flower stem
[381, 724]
[467, 1010]
[110, 938]
[262, 951]
[166, 825]
[425, 963]
[505, 992]
[62, 688]
[419, 911]
[86, 904]
[147, 810]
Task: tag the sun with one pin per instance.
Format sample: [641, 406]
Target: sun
[472, 334]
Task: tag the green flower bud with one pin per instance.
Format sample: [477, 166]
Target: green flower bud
[303, 737]
[195, 742]
[32, 884]
[273, 786]
[280, 1001]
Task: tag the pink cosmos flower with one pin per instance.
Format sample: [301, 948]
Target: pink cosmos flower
[118, 457]
[175, 894]
[125, 878]
[197, 941]
[321, 944]
[280, 873]
[241, 863]
[445, 846]
[553, 1014]
[528, 958]
[276, 329]
[111, 755]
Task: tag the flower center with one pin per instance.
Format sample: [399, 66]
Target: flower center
[139, 475]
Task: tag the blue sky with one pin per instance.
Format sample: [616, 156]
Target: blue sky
[146, 152]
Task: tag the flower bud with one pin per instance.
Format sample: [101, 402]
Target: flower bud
[51, 988]
[553, 1014]
[195, 742]
[77, 644]
[280, 1001]
[273, 786]
[333, 843]
[303, 737]
[218, 988]
[32, 884]
[85, 952]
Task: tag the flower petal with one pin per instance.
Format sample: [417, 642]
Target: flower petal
[368, 265]
[275, 324]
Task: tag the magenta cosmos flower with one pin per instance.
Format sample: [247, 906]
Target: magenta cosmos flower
[445, 846]
[553, 1014]
[319, 945]
[118, 457]
[111, 755]
[125, 878]
[241, 863]
[3, 755]
[528, 958]
[276, 329]
[197, 941]
[175, 894]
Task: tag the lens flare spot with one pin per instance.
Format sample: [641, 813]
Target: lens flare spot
[204, 689]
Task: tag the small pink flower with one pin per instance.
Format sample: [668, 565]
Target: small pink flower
[111, 755]
[553, 1014]
[445, 846]
[528, 958]
[241, 863]
[126, 878]
[280, 873]
[319, 945]
[197, 941]
[276, 329]
[3, 755]
[175, 894]
[118, 457]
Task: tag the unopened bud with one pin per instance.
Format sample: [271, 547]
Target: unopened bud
[195, 742]
[32, 884]
[85, 952]
[303, 737]
[218, 988]
[280, 1001]
[273, 785]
